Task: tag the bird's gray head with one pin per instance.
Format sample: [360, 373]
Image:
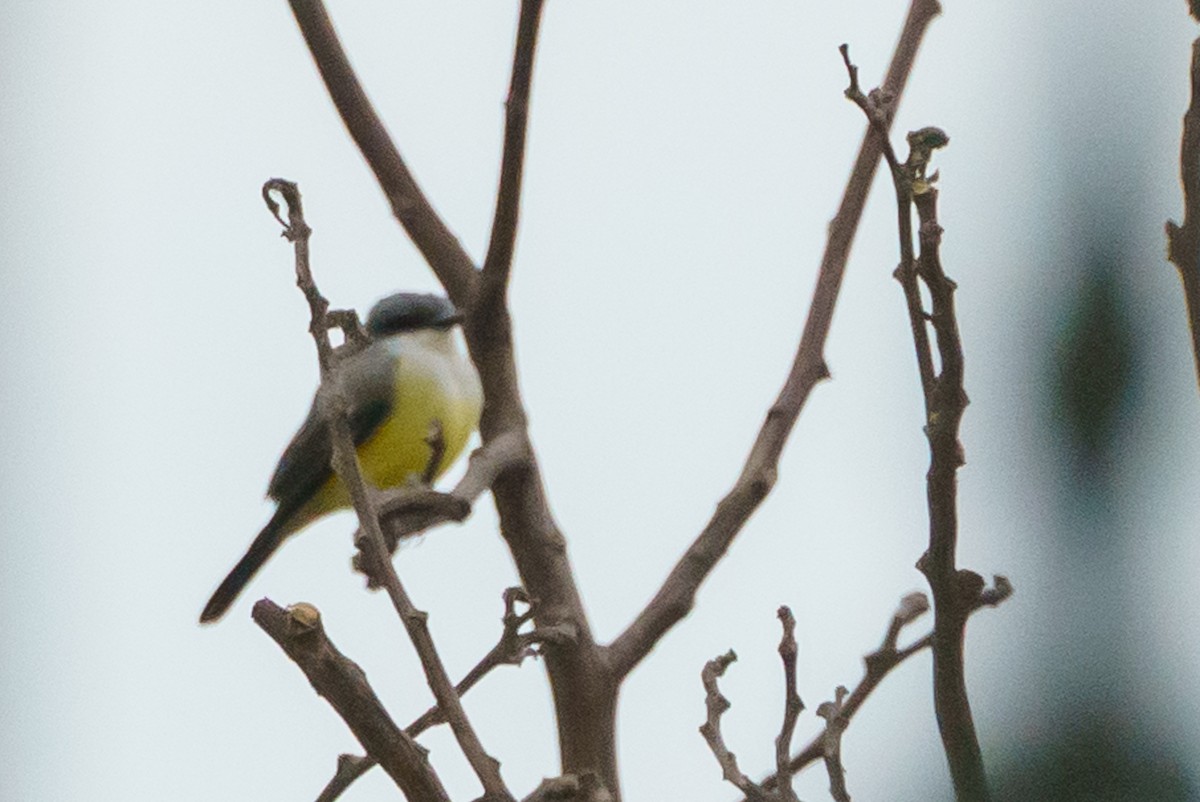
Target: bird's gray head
[410, 311]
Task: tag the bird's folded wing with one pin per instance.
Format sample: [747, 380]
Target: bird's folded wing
[305, 465]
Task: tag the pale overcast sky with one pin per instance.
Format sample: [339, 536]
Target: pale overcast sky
[684, 160]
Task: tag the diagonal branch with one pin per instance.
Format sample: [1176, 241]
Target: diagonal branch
[344, 461]
[792, 704]
[1183, 241]
[677, 595]
[437, 244]
[299, 632]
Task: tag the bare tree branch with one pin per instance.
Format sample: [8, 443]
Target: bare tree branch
[298, 630]
[583, 688]
[677, 595]
[716, 704]
[512, 649]
[571, 788]
[792, 705]
[581, 684]
[879, 110]
[879, 663]
[440, 247]
[349, 769]
[332, 402]
[954, 591]
[1183, 241]
[498, 263]
[837, 714]
[832, 743]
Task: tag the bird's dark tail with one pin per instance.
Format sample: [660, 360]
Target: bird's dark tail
[268, 540]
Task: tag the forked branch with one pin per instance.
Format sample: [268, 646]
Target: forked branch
[512, 649]
[677, 595]
[954, 590]
[837, 713]
[877, 665]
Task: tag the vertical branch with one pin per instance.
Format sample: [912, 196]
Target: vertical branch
[498, 263]
[1183, 241]
[334, 407]
[831, 739]
[955, 592]
[879, 110]
[792, 705]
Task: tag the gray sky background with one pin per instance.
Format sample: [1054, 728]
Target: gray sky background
[684, 160]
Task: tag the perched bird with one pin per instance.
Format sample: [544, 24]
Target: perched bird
[411, 375]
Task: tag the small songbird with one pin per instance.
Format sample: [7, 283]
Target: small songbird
[410, 377]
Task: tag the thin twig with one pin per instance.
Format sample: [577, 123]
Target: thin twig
[344, 460]
[1183, 241]
[832, 743]
[497, 265]
[512, 649]
[792, 704]
[879, 112]
[298, 630]
[945, 401]
[677, 594]
[715, 705]
[879, 663]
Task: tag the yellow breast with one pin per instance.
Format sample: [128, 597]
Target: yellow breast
[432, 382]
